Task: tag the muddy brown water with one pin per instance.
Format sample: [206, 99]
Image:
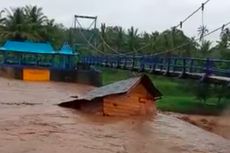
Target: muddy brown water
[31, 122]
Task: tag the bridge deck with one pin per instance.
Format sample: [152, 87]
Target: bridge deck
[173, 73]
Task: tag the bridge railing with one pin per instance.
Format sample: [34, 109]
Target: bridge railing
[50, 61]
[167, 65]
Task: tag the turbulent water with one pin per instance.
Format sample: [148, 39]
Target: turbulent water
[31, 122]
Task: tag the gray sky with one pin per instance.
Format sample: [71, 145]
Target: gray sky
[146, 15]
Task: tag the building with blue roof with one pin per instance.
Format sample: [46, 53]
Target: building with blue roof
[29, 53]
[66, 49]
[36, 61]
[27, 47]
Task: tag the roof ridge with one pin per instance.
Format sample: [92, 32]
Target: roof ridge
[119, 87]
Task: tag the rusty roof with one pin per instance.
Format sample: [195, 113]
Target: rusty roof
[122, 87]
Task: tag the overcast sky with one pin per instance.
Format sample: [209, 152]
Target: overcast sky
[146, 15]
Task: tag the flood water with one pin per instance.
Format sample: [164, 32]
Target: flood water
[31, 122]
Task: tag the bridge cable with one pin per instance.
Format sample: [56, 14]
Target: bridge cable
[90, 44]
[193, 13]
[185, 44]
[112, 49]
[182, 22]
[101, 39]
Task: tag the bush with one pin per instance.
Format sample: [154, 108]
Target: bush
[203, 91]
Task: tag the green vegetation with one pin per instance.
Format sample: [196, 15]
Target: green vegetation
[178, 95]
[30, 23]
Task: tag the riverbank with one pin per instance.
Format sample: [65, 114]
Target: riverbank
[216, 124]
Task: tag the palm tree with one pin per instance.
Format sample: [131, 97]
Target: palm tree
[146, 41]
[205, 48]
[1, 24]
[132, 38]
[37, 20]
[166, 41]
[103, 37]
[119, 39]
[35, 15]
[53, 33]
[225, 38]
[15, 25]
[1, 18]
[154, 38]
[224, 44]
[202, 30]
[174, 36]
[190, 49]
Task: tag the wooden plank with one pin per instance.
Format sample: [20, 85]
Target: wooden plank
[113, 106]
[121, 108]
[130, 104]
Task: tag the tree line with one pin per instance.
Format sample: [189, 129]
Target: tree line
[30, 23]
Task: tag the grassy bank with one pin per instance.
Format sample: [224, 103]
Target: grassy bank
[178, 95]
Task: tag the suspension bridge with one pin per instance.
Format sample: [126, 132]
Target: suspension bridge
[214, 70]
[165, 62]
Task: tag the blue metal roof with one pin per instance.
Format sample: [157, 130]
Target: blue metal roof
[28, 47]
[66, 49]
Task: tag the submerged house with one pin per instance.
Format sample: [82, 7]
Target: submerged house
[135, 96]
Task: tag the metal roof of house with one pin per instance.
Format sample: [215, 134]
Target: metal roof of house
[66, 49]
[28, 47]
[122, 87]
[32, 47]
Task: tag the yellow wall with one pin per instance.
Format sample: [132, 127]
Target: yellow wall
[36, 75]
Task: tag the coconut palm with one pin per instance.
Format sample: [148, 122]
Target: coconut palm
[16, 26]
[174, 36]
[132, 38]
[35, 15]
[205, 48]
[120, 38]
[202, 30]
[225, 38]
[103, 37]
[1, 17]
[146, 41]
[223, 45]
[38, 21]
[154, 38]
[53, 33]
